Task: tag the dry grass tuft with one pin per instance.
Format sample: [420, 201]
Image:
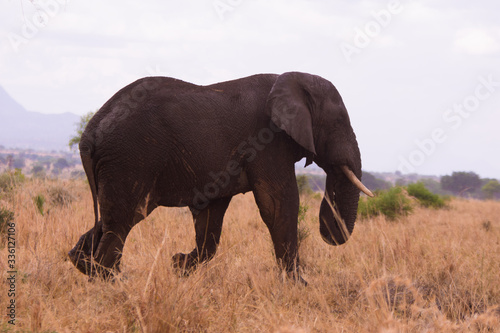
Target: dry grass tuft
[433, 271]
[60, 196]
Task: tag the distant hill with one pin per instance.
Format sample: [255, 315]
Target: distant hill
[20, 128]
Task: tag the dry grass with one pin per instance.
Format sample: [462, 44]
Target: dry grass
[434, 271]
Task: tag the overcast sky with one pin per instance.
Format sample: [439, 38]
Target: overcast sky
[420, 79]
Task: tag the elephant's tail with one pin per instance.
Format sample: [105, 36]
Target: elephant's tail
[86, 152]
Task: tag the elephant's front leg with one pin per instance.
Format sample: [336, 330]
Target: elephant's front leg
[279, 208]
[208, 227]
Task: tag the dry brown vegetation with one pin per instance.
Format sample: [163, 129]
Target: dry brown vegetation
[433, 271]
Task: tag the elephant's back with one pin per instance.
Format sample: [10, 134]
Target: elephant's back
[161, 114]
[128, 108]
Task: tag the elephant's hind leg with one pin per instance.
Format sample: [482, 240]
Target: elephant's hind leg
[104, 245]
[109, 251]
[208, 227]
[117, 222]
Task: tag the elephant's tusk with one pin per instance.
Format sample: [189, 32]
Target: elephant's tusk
[352, 177]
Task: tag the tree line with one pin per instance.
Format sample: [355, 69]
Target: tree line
[459, 184]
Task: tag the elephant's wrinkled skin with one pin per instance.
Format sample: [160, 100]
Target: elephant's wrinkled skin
[164, 142]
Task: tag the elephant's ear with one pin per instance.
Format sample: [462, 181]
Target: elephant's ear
[289, 106]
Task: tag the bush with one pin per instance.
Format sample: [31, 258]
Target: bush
[39, 201]
[6, 216]
[303, 184]
[425, 197]
[84, 120]
[38, 171]
[392, 203]
[10, 179]
[61, 197]
[491, 189]
[61, 163]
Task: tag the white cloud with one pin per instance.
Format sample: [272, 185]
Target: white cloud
[478, 41]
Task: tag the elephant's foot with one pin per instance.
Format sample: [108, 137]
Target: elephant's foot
[81, 254]
[81, 257]
[84, 263]
[295, 276]
[184, 263]
[291, 270]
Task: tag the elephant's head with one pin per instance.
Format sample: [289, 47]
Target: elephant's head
[310, 110]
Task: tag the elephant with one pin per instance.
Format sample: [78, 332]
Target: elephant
[161, 141]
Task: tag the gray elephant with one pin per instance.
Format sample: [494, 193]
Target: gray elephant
[165, 142]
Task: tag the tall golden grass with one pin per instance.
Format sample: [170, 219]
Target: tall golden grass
[433, 271]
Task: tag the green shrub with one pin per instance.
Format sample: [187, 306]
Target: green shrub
[317, 196]
[392, 203]
[39, 201]
[425, 197]
[491, 189]
[6, 216]
[303, 184]
[10, 179]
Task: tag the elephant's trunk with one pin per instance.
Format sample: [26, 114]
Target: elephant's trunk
[339, 208]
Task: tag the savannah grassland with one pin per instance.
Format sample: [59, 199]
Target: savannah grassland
[433, 271]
